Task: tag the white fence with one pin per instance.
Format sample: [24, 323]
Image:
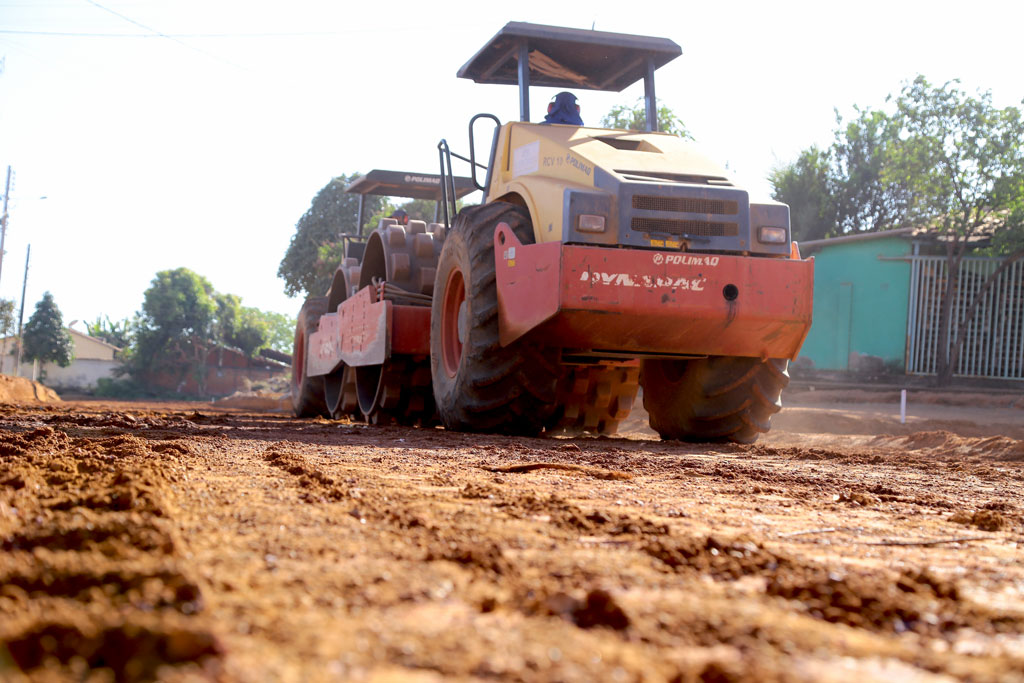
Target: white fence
[994, 345]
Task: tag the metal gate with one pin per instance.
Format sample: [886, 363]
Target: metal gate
[994, 345]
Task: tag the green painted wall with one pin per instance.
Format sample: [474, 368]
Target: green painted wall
[860, 303]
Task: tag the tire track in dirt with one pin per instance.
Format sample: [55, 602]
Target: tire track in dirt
[330, 550]
[91, 576]
[882, 602]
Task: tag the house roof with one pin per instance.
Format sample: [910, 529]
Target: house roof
[813, 245]
[74, 333]
[97, 340]
[923, 234]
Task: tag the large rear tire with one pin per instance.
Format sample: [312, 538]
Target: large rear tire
[480, 385]
[307, 392]
[720, 398]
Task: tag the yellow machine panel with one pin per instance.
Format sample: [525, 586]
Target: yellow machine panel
[540, 162]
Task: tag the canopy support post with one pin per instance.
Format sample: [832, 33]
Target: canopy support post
[650, 101]
[524, 81]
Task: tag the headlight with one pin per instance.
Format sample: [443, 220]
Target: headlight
[772, 235]
[590, 223]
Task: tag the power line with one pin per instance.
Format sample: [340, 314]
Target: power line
[72, 34]
[129, 20]
[161, 34]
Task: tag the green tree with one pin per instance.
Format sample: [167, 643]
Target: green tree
[44, 338]
[226, 320]
[329, 253]
[251, 332]
[280, 328]
[116, 333]
[624, 117]
[868, 196]
[849, 187]
[962, 159]
[184, 319]
[944, 160]
[804, 185]
[6, 327]
[176, 324]
[6, 317]
[420, 209]
[180, 304]
[332, 212]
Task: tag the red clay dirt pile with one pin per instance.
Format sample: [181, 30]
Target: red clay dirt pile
[22, 390]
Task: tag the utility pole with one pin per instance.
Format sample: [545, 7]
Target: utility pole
[21, 313]
[3, 220]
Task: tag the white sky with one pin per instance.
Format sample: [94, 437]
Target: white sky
[203, 152]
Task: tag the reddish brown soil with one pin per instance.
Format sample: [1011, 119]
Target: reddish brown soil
[22, 390]
[186, 542]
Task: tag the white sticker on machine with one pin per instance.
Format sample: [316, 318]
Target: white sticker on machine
[526, 159]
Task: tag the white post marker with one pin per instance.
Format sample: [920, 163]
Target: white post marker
[903, 406]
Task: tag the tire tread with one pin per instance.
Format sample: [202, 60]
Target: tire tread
[507, 389]
[719, 398]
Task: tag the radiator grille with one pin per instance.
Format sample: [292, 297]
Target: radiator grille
[674, 227]
[723, 207]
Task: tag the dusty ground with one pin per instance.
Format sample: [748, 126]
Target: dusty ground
[187, 542]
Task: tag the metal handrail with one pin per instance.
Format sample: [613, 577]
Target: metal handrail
[472, 147]
[444, 154]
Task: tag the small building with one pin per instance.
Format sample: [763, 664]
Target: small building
[861, 290]
[878, 296]
[92, 360]
[227, 370]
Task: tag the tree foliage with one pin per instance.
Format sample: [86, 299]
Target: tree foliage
[184, 319]
[962, 160]
[868, 195]
[44, 338]
[805, 186]
[250, 332]
[962, 157]
[280, 328]
[6, 317]
[6, 328]
[625, 117]
[314, 278]
[179, 304]
[175, 325]
[115, 333]
[942, 160]
[332, 212]
[849, 187]
[419, 209]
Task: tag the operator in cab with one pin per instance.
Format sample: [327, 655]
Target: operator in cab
[401, 216]
[564, 109]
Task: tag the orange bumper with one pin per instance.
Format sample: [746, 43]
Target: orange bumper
[631, 300]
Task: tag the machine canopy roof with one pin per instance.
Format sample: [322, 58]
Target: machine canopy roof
[401, 184]
[568, 57]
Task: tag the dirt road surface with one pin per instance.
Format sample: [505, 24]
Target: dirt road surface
[185, 542]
